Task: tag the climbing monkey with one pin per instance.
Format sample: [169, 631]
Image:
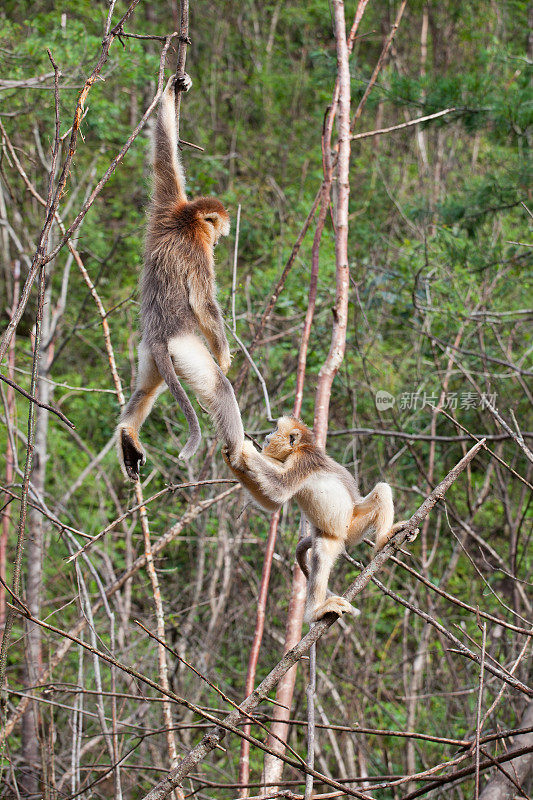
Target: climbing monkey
[292, 465]
[178, 299]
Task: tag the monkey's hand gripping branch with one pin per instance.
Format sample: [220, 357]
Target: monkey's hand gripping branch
[182, 83]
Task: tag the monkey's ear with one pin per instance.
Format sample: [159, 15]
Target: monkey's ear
[294, 437]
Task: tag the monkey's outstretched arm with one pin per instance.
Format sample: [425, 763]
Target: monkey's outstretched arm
[279, 483]
[169, 177]
[250, 485]
[209, 316]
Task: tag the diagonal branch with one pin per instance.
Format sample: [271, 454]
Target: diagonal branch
[37, 402]
[402, 125]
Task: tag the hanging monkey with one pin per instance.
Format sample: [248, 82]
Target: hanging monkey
[178, 297]
[292, 465]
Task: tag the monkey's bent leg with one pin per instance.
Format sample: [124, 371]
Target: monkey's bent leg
[194, 363]
[149, 384]
[376, 510]
[325, 551]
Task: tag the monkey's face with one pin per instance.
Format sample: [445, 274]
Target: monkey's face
[217, 225]
[285, 439]
[210, 218]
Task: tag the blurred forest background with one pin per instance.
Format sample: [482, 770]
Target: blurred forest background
[438, 348]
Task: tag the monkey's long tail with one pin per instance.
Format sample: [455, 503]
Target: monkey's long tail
[167, 372]
[301, 554]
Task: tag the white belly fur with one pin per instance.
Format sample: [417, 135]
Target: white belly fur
[326, 503]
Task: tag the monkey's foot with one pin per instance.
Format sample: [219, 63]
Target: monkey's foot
[233, 458]
[183, 83]
[337, 605]
[399, 525]
[412, 536]
[225, 455]
[132, 455]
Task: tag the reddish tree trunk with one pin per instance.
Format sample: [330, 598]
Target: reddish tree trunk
[274, 767]
[10, 463]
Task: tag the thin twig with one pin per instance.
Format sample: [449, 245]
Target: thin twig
[142, 504]
[502, 674]
[417, 121]
[479, 703]
[465, 772]
[37, 402]
[517, 437]
[488, 449]
[456, 601]
[380, 62]
[425, 437]
[256, 370]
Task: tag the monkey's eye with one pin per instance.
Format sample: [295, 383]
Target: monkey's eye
[211, 220]
[292, 439]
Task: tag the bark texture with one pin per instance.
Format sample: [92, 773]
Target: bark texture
[520, 768]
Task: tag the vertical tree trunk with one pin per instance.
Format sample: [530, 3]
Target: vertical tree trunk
[279, 729]
[244, 763]
[273, 766]
[421, 137]
[34, 553]
[10, 456]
